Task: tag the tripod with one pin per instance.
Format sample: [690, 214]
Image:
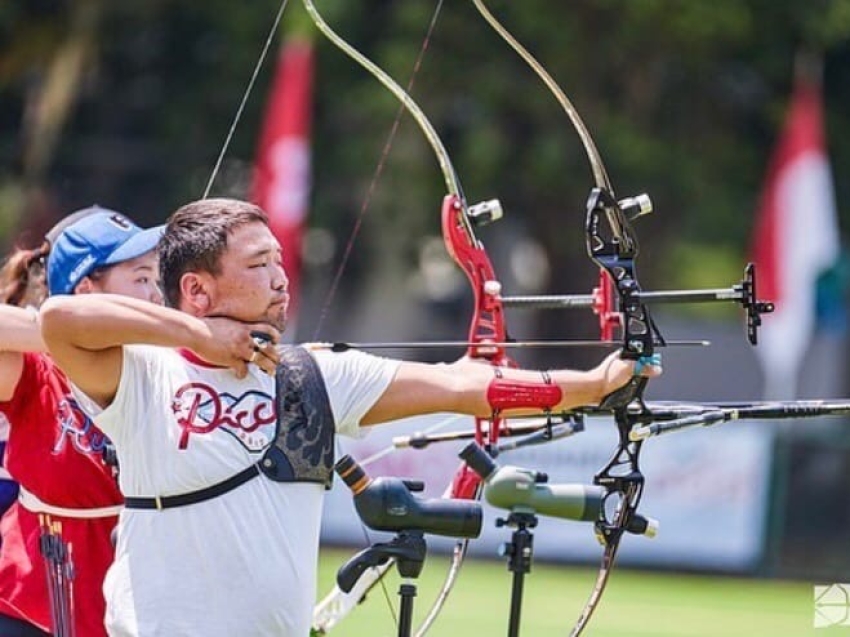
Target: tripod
[408, 549]
[388, 504]
[519, 552]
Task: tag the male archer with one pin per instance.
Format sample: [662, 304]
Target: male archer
[226, 442]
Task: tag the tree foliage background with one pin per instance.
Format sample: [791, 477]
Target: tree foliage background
[128, 103]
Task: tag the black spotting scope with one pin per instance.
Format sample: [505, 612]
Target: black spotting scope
[388, 504]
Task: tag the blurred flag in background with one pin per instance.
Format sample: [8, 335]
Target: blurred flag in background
[281, 184]
[796, 241]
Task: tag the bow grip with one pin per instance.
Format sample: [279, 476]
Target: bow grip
[621, 397]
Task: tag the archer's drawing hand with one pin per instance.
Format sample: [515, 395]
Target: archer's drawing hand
[235, 344]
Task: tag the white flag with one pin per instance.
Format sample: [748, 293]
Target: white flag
[796, 239]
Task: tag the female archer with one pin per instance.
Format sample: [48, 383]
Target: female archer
[57, 535]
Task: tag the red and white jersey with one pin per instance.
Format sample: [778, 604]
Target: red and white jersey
[54, 451]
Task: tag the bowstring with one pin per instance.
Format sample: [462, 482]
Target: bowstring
[365, 204]
[376, 175]
[369, 193]
[355, 232]
[245, 95]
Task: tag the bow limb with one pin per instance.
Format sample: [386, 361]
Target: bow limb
[467, 251]
[449, 174]
[600, 175]
[604, 305]
[612, 245]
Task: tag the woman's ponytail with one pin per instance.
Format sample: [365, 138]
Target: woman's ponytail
[22, 277]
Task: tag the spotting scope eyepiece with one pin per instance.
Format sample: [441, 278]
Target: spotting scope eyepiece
[388, 504]
[518, 489]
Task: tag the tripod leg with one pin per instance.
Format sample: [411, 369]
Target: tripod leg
[516, 603]
[519, 551]
[405, 620]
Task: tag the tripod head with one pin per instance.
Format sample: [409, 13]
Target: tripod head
[388, 504]
[526, 490]
[408, 549]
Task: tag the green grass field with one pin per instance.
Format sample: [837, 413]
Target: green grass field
[635, 604]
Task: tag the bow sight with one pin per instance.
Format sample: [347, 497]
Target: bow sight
[743, 292]
[612, 250]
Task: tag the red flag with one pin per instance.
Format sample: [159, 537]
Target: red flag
[796, 238]
[282, 170]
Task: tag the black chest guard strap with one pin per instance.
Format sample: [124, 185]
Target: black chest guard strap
[303, 449]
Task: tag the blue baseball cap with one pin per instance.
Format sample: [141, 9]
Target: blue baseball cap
[100, 238]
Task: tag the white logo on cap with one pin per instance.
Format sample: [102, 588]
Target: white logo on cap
[121, 221]
[82, 266]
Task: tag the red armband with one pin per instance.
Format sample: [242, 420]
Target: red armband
[503, 393]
